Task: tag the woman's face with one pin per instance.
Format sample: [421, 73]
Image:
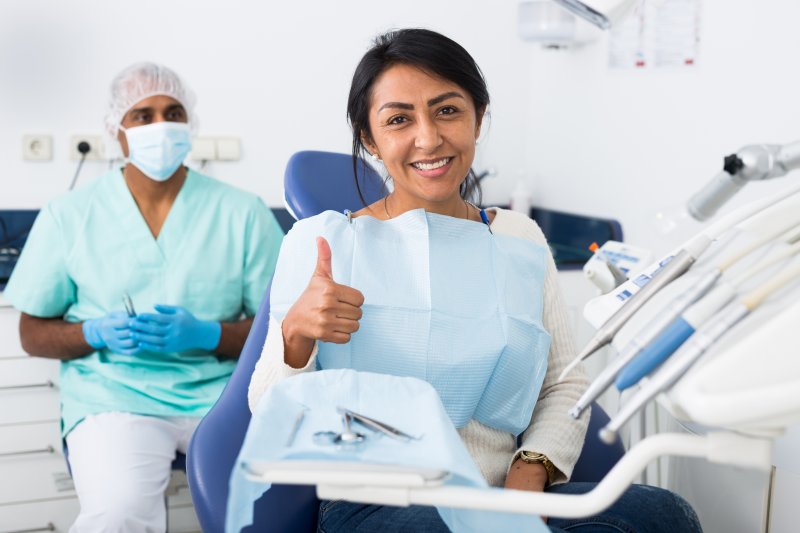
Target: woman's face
[424, 128]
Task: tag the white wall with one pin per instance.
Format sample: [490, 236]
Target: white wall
[617, 143]
[627, 143]
[275, 74]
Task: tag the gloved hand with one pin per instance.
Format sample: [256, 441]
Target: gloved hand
[111, 331]
[174, 329]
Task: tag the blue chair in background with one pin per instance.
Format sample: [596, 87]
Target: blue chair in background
[314, 182]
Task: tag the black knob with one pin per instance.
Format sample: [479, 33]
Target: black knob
[733, 164]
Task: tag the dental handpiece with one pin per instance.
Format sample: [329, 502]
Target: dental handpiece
[698, 314]
[638, 343]
[762, 212]
[696, 346]
[672, 270]
[681, 363]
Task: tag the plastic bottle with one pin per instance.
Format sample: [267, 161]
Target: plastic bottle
[521, 199]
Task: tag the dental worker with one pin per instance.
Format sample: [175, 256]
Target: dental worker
[415, 290]
[193, 254]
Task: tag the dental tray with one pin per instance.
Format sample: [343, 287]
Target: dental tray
[342, 473]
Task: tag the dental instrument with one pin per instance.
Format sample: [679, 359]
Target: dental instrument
[297, 422]
[373, 424]
[680, 304]
[348, 437]
[128, 303]
[695, 347]
[690, 321]
[672, 267]
[751, 163]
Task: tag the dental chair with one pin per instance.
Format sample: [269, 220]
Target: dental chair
[313, 182]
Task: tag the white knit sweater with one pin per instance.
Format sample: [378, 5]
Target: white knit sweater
[551, 432]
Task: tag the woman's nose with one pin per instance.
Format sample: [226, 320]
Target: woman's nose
[428, 136]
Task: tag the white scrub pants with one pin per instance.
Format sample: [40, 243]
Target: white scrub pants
[121, 466]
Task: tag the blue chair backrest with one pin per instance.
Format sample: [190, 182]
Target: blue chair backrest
[217, 440]
[320, 181]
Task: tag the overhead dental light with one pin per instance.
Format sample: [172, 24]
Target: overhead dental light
[568, 23]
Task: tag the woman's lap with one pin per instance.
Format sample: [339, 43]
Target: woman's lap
[641, 509]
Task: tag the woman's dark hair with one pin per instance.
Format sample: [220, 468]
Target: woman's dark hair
[429, 51]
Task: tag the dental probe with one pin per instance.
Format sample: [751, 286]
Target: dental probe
[680, 263]
[694, 318]
[695, 347]
[672, 311]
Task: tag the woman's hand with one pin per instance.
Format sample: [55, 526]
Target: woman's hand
[527, 476]
[326, 311]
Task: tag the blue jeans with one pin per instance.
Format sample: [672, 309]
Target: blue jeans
[641, 509]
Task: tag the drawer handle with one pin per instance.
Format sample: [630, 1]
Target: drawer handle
[49, 449]
[48, 527]
[47, 384]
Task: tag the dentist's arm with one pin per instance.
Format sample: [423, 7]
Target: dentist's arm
[325, 311]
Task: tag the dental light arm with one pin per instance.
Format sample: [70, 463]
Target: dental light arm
[752, 163]
[602, 18]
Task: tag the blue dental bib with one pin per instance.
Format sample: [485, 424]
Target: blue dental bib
[445, 301]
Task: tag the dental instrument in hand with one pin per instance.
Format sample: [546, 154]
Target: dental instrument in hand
[667, 317]
[695, 347]
[128, 303]
[693, 319]
[373, 424]
[758, 212]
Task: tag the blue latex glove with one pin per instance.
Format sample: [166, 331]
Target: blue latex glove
[174, 329]
[111, 331]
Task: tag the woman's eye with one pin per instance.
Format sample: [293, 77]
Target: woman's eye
[397, 120]
[448, 110]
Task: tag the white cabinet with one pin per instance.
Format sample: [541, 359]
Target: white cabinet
[36, 492]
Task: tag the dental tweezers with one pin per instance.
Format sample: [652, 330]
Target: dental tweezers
[377, 426]
[128, 303]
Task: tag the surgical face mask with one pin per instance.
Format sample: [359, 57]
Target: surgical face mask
[158, 149]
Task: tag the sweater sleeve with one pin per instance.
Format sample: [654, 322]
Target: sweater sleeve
[552, 430]
[271, 368]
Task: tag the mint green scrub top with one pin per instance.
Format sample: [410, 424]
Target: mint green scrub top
[215, 255]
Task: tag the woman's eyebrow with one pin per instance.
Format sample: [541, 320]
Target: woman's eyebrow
[432, 102]
[442, 97]
[396, 105]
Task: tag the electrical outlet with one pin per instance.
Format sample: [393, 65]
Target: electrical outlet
[37, 147]
[96, 148]
[203, 149]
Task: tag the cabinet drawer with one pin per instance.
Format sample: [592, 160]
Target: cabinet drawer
[53, 515]
[28, 372]
[9, 333]
[39, 404]
[32, 465]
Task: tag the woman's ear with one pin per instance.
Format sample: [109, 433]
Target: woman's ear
[370, 146]
[480, 113]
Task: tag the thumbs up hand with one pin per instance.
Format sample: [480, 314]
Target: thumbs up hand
[325, 311]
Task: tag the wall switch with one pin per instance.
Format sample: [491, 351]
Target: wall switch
[229, 149]
[37, 147]
[203, 149]
[96, 148]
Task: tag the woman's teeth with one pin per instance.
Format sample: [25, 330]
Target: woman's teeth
[432, 166]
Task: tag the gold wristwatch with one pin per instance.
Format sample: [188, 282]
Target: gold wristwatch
[540, 459]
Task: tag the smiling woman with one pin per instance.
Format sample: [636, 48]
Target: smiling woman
[416, 285]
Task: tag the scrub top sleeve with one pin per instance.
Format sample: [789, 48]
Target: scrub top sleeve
[40, 284]
[264, 236]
